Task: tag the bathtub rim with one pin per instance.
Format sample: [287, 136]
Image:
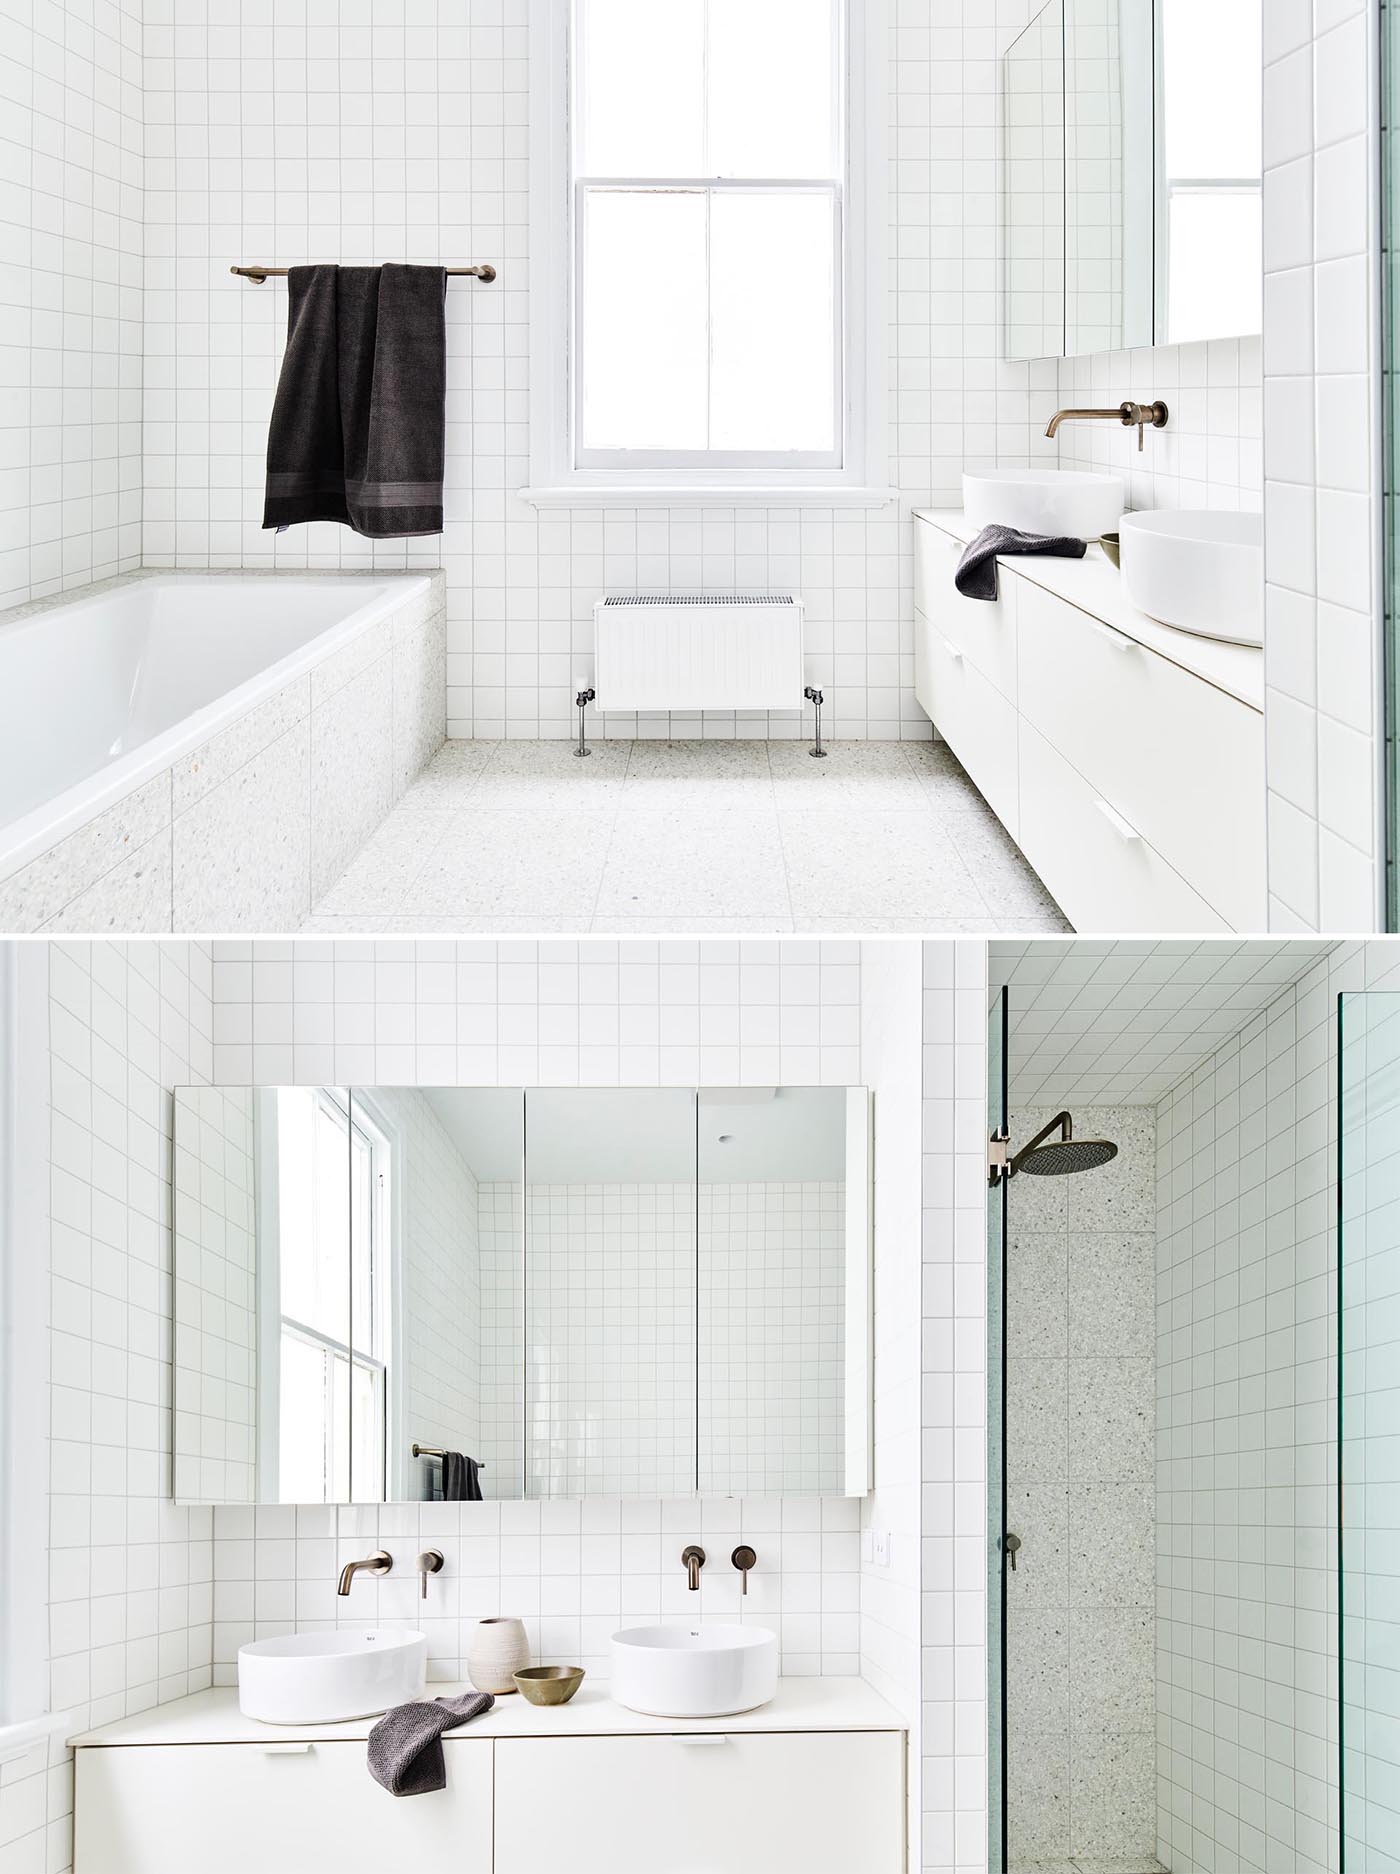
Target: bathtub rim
[34, 833]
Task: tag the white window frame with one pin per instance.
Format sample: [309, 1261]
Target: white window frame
[557, 478]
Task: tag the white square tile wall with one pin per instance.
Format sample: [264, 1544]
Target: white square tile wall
[1209, 455]
[544, 1013]
[129, 1574]
[610, 1302]
[71, 240]
[772, 1299]
[258, 148]
[1322, 388]
[1246, 1440]
[953, 1719]
[892, 1065]
[215, 1298]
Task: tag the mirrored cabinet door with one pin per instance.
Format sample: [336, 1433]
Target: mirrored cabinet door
[1131, 176]
[610, 1209]
[435, 1241]
[772, 1291]
[412, 1293]
[263, 1349]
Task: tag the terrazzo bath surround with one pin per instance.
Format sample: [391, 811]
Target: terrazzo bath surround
[241, 739]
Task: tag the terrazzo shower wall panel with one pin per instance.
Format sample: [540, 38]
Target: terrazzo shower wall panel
[387, 134]
[71, 240]
[1081, 1258]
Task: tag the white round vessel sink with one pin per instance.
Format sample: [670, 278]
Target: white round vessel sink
[694, 1672]
[1201, 570]
[321, 1678]
[1076, 502]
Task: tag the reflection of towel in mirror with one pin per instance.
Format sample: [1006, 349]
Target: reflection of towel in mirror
[461, 1478]
[405, 1747]
[976, 577]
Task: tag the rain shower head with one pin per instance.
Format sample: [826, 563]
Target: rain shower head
[1058, 1158]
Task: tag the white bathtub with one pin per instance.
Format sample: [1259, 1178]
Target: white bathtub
[186, 751]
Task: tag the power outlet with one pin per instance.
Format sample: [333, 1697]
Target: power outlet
[881, 1546]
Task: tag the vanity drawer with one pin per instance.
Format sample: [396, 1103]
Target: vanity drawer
[810, 1803]
[1178, 758]
[971, 714]
[1094, 863]
[312, 1808]
[984, 632]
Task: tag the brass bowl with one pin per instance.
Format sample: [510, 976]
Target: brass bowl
[549, 1685]
[1111, 546]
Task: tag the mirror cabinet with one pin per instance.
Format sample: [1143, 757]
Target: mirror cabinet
[403, 1293]
[1132, 159]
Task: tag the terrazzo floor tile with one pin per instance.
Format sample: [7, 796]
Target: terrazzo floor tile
[550, 774]
[875, 865]
[450, 775]
[854, 774]
[694, 862]
[506, 862]
[698, 774]
[692, 835]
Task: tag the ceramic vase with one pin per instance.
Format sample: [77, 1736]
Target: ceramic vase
[497, 1649]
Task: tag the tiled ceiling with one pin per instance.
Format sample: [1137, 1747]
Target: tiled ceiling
[1119, 1024]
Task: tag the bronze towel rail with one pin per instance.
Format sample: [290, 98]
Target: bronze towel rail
[257, 275]
[431, 1451]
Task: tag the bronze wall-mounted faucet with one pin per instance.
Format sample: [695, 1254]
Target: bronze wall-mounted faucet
[1127, 413]
[377, 1564]
[744, 1559]
[694, 1560]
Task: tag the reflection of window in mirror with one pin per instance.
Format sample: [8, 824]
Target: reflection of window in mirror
[1210, 211]
[331, 1190]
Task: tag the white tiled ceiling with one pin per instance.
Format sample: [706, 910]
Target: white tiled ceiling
[1119, 1024]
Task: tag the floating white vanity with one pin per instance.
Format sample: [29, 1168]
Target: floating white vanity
[1125, 758]
[811, 1783]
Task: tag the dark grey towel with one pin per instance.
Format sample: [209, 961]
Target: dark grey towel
[358, 431]
[976, 577]
[405, 1747]
[461, 1479]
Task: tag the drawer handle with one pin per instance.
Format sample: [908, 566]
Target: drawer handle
[952, 650]
[1128, 834]
[287, 1750]
[702, 1740]
[1118, 639]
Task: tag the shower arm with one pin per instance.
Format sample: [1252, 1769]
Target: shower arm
[1066, 1128]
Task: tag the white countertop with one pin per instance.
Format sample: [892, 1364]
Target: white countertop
[1095, 586]
[213, 1717]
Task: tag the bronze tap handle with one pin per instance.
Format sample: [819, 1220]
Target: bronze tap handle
[744, 1559]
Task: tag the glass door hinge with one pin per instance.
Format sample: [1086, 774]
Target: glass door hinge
[998, 1157]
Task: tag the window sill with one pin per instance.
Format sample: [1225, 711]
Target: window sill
[751, 496]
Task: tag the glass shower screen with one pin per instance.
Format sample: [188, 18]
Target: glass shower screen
[1369, 1429]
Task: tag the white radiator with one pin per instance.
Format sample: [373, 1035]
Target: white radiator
[708, 652]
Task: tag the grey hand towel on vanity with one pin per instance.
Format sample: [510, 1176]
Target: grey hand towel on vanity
[976, 577]
[461, 1479]
[405, 1747]
[358, 431]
